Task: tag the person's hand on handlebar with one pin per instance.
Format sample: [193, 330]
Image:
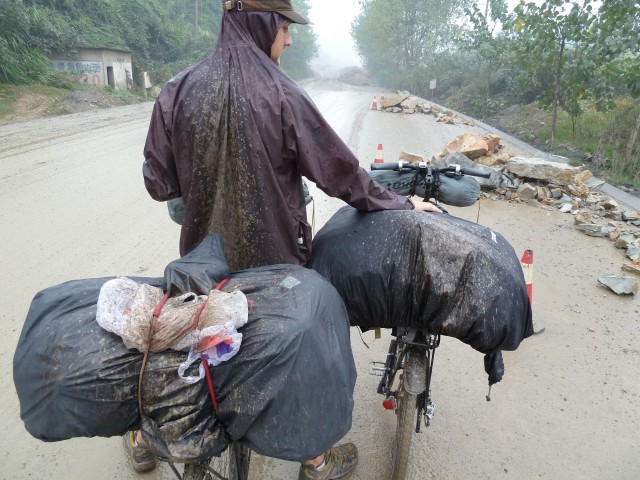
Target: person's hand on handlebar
[425, 206]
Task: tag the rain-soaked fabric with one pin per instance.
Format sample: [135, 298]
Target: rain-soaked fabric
[75, 379]
[430, 271]
[233, 136]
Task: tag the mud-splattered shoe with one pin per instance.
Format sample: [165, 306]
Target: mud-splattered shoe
[142, 459]
[338, 461]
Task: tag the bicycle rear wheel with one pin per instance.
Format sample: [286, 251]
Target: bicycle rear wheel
[233, 464]
[405, 428]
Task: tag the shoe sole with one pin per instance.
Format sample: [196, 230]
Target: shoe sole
[342, 475]
[143, 467]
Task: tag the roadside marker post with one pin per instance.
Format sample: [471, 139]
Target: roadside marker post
[527, 268]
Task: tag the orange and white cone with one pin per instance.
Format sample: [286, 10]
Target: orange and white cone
[527, 268]
[381, 100]
[379, 158]
[374, 104]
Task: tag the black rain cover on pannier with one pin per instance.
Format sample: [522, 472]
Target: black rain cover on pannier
[288, 393]
[427, 270]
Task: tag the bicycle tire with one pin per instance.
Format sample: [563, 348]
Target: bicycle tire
[405, 429]
[233, 464]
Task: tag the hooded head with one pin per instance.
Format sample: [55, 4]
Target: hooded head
[258, 20]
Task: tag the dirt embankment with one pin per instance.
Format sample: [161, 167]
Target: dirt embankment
[30, 105]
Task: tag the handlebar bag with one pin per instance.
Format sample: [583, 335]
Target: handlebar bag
[458, 192]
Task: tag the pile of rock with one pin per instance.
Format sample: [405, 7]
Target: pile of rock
[404, 102]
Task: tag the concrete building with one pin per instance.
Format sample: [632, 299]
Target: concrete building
[99, 66]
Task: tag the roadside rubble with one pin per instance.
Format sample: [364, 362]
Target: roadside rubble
[552, 185]
[404, 102]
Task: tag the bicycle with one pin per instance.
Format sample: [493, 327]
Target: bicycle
[407, 370]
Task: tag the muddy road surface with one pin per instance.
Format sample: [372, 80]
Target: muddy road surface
[73, 205]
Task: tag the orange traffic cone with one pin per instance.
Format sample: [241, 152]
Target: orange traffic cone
[379, 155]
[374, 105]
[527, 268]
[381, 100]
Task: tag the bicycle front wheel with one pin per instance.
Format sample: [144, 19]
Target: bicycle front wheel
[405, 428]
[233, 464]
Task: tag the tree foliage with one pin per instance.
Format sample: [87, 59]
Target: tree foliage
[27, 34]
[550, 39]
[399, 41]
[305, 46]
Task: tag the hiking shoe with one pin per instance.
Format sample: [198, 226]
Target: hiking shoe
[142, 459]
[338, 461]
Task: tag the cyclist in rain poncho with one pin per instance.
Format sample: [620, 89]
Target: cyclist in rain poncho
[233, 136]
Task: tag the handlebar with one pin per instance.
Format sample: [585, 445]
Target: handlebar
[422, 167]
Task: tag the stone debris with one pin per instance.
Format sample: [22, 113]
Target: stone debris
[404, 102]
[633, 252]
[622, 285]
[411, 157]
[632, 267]
[469, 144]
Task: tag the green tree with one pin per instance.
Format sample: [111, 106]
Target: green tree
[397, 41]
[305, 46]
[616, 42]
[548, 37]
[482, 38]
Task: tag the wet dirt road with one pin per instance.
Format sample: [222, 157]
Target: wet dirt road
[72, 205]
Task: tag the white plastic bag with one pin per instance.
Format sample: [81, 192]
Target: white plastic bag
[218, 345]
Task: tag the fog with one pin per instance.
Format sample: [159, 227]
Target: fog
[331, 21]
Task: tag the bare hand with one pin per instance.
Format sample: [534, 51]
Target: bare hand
[425, 206]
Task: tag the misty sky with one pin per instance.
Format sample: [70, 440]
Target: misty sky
[332, 23]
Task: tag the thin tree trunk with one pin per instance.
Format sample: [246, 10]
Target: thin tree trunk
[556, 95]
[489, 80]
[632, 141]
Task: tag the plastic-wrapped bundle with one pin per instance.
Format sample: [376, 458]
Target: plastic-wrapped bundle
[427, 270]
[75, 379]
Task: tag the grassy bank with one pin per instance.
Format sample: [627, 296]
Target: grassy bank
[600, 140]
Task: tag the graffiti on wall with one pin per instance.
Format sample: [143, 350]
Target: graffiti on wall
[87, 71]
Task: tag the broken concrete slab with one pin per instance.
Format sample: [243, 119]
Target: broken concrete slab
[538, 169]
[621, 285]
